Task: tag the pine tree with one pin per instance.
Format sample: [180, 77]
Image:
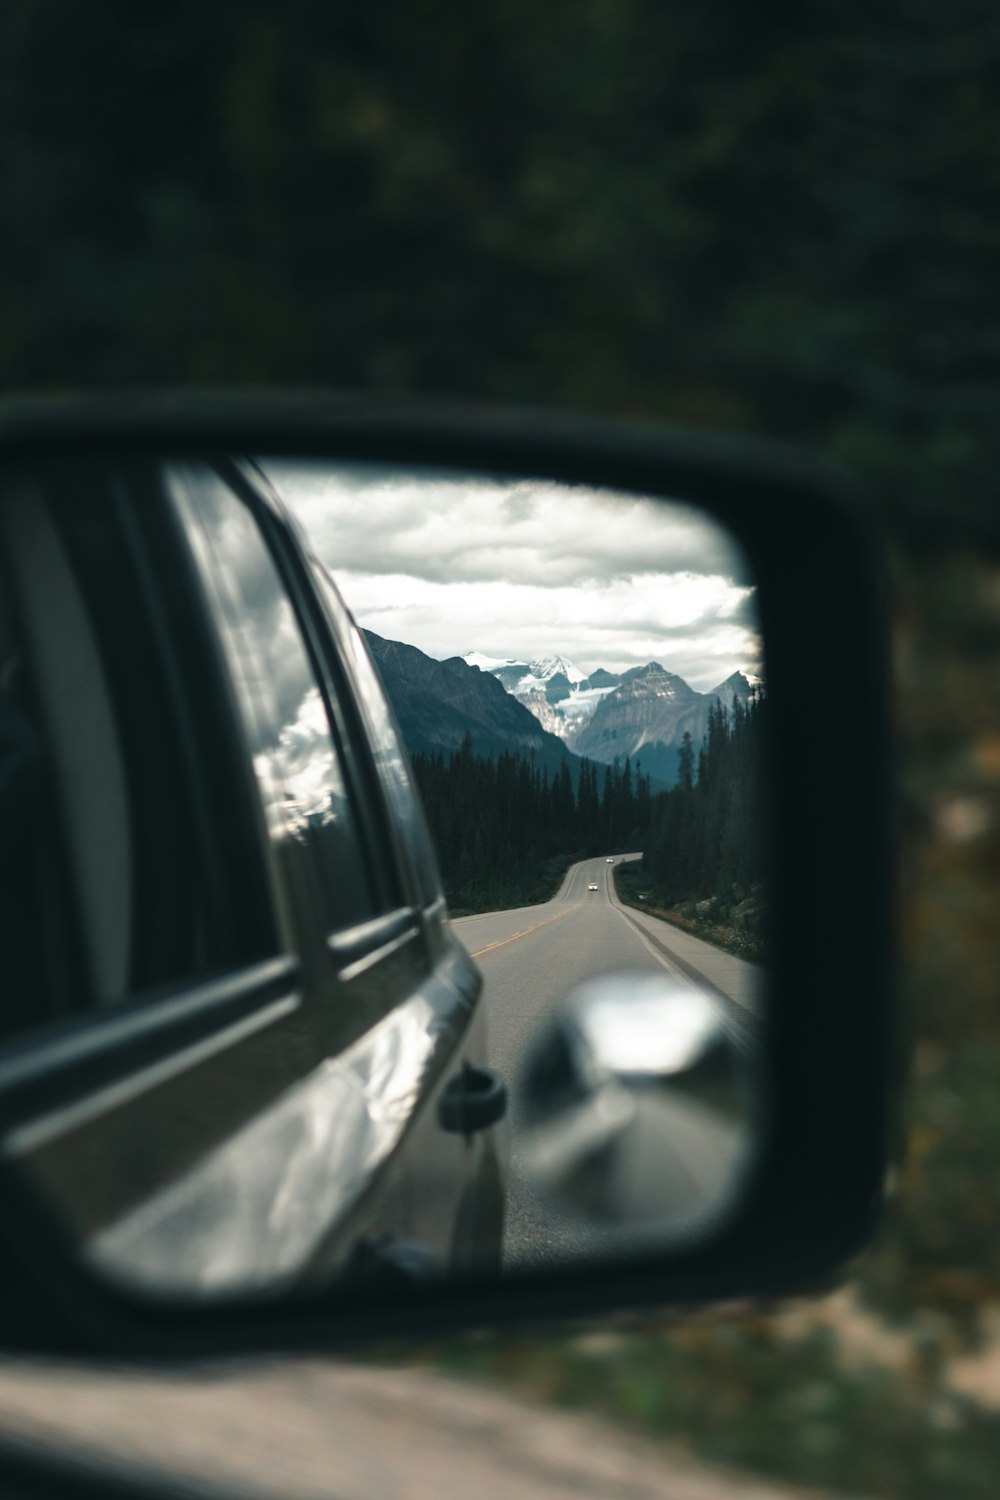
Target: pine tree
[685, 763]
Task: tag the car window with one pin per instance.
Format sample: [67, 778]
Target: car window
[102, 757]
[391, 760]
[296, 759]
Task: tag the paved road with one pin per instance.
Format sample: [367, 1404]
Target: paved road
[679, 1155]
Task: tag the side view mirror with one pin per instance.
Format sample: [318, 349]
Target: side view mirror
[447, 871]
[640, 1112]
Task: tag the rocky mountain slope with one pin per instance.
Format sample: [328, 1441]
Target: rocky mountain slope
[438, 702]
[548, 708]
[605, 716]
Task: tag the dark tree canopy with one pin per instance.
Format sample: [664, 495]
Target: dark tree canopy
[783, 223]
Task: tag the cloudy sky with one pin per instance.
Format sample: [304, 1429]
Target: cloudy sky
[529, 568]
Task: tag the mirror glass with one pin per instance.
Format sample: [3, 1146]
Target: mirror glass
[394, 904]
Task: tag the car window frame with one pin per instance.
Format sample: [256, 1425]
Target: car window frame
[71, 1065]
[331, 658]
[357, 947]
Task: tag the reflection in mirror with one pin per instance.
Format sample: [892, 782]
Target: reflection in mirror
[598, 822]
[409, 832]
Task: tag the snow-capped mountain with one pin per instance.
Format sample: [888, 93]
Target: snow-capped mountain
[561, 696]
[643, 712]
[645, 708]
[557, 666]
[491, 663]
[549, 709]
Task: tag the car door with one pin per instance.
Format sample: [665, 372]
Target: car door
[408, 1018]
[242, 1021]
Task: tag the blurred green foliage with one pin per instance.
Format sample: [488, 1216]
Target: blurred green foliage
[744, 1395]
[781, 222]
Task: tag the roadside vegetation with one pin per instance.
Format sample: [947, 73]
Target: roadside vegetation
[704, 853]
[741, 1391]
[738, 925]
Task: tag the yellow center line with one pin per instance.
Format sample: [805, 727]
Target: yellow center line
[500, 942]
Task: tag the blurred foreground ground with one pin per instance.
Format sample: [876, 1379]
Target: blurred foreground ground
[303, 1430]
[812, 1387]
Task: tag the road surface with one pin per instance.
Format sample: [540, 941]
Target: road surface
[680, 1154]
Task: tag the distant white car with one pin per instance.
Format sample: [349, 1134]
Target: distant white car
[592, 886]
[609, 860]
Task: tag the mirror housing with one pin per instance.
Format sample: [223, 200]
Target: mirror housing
[810, 1197]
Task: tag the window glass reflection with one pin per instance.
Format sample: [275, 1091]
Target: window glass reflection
[294, 756]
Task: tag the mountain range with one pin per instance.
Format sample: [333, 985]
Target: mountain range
[548, 708]
[643, 712]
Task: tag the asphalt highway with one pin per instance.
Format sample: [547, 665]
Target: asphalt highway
[682, 1158]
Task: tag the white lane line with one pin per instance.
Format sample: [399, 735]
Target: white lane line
[750, 1008]
[661, 958]
[733, 1022]
[634, 919]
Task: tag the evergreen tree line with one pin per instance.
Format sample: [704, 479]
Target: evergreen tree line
[706, 835]
[505, 827]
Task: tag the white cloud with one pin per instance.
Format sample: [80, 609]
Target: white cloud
[527, 568]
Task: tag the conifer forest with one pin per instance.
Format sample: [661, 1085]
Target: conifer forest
[505, 828]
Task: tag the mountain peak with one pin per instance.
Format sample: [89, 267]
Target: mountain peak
[491, 663]
[651, 669]
[549, 666]
[736, 685]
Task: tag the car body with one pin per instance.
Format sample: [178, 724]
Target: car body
[222, 905]
[593, 886]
